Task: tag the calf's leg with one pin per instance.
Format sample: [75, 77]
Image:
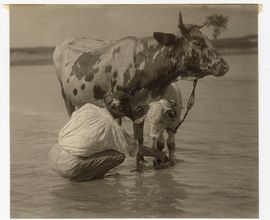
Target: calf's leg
[160, 142]
[171, 146]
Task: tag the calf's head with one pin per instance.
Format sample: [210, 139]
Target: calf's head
[193, 54]
[160, 115]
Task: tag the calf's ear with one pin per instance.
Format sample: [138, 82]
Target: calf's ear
[173, 103]
[165, 39]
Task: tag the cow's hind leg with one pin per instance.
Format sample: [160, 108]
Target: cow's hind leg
[69, 106]
[138, 135]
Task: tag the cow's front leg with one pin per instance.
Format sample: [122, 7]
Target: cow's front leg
[171, 147]
[160, 143]
[138, 135]
[160, 157]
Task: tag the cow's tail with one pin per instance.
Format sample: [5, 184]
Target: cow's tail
[69, 106]
[57, 60]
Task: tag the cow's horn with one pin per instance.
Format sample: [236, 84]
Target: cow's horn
[181, 25]
[202, 25]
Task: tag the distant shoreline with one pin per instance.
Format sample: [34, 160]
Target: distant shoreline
[43, 55]
[24, 58]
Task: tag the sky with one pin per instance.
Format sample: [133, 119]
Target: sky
[49, 25]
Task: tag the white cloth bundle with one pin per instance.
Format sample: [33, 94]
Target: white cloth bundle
[92, 129]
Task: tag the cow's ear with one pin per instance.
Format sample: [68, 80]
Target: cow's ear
[166, 39]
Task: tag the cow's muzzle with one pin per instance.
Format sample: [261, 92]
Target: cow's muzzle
[222, 69]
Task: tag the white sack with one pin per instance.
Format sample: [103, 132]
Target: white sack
[92, 129]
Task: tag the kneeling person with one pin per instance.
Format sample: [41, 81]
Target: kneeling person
[90, 144]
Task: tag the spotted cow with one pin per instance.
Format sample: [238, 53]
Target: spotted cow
[140, 67]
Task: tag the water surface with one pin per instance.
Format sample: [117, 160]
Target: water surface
[217, 144]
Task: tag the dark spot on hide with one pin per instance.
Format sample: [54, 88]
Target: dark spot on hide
[140, 57]
[114, 74]
[75, 92]
[205, 59]
[89, 77]
[66, 63]
[116, 50]
[98, 92]
[68, 80]
[145, 44]
[158, 73]
[135, 82]
[122, 89]
[83, 86]
[159, 91]
[108, 69]
[126, 77]
[83, 67]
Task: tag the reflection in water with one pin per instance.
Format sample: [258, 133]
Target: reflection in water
[145, 195]
[218, 142]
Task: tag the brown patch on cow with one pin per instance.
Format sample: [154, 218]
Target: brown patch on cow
[116, 50]
[126, 77]
[75, 92]
[135, 82]
[98, 92]
[192, 62]
[68, 80]
[89, 77]
[115, 74]
[108, 69]
[145, 45]
[159, 90]
[205, 57]
[83, 86]
[122, 89]
[148, 53]
[83, 67]
[139, 58]
[158, 73]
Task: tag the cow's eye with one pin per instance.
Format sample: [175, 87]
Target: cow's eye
[197, 43]
[171, 114]
[139, 109]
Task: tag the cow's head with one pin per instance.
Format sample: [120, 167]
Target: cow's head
[161, 116]
[195, 56]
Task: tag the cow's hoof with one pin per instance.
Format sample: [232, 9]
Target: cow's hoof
[161, 165]
[140, 167]
[172, 163]
[156, 164]
[172, 160]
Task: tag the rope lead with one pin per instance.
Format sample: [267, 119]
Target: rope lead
[189, 106]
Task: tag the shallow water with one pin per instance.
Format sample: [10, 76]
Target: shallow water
[217, 148]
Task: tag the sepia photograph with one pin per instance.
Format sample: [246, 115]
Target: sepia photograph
[134, 111]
